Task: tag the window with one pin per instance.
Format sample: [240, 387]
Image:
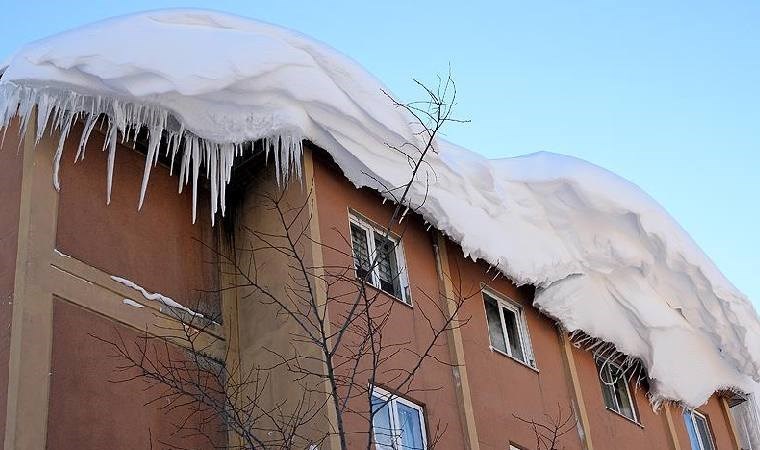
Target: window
[507, 329]
[699, 430]
[379, 259]
[398, 424]
[745, 416]
[615, 389]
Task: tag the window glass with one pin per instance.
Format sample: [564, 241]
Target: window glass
[397, 424]
[515, 342]
[411, 430]
[699, 431]
[494, 325]
[379, 260]
[622, 395]
[615, 388]
[361, 251]
[692, 430]
[704, 432]
[387, 266]
[608, 388]
[381, 423]
[507, 329]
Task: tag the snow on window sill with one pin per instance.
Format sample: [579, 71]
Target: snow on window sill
[628, 419]
[522, 363]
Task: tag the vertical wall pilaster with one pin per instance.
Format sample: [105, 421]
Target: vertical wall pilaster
[577, 392]
[672, 435]
[32, 320]
[456, 348]
[730, 422]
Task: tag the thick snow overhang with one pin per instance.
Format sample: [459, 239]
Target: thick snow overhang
[604, 256]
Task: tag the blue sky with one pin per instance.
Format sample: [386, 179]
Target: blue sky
[666, 94]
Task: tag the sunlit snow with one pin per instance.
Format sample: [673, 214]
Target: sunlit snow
[605, 257]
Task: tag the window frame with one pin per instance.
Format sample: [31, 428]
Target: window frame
[606, 365]
[370, 229]
[504, 302]
[708, 427]
[391, 400]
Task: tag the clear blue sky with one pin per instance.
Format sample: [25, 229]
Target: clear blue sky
[666, 94]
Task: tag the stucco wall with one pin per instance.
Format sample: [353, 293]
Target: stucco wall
[717, 420]
[11, 162]
[610, 430]
[434, 383]
[502, 387]
[89, 411]
[157, 247]
[267, 336]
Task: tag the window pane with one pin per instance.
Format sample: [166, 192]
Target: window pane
[688, 419]
[622, 395]
[410, 427]
[494, 325]
[381, 424]
[704, 432]
[387, 266]
[361, 251]
[608, 387]
[513, 331]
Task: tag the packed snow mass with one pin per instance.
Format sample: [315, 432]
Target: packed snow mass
[604, 256]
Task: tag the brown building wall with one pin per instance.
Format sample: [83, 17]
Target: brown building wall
[91, 409]
[718, 424]
[11, 164]
[266, 335]
[611, 430]
[434, 384]
[502, 387]
[158, 247]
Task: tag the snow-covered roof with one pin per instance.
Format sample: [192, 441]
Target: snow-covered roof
[605, 257]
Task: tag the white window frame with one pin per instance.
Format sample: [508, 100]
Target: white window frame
[522, 328]
[392, 400]
[609, 365]
[710, 436]
[370, 230]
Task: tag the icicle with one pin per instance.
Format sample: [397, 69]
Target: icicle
[173, 147]
[214, 179]
[185, 167]
[406, 210]
[88, 126]
[196, 161]
[153, 143]
[111, 160]
[64, 130]
[44, 108]
[59, 110]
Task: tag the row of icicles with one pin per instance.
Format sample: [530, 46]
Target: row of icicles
[58, 111]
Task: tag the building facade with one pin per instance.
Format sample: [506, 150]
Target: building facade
[60, 251]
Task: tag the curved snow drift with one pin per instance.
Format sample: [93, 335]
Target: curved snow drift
[606, 258]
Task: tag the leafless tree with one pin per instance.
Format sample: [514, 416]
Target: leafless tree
[550, 430]
[339, 347]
